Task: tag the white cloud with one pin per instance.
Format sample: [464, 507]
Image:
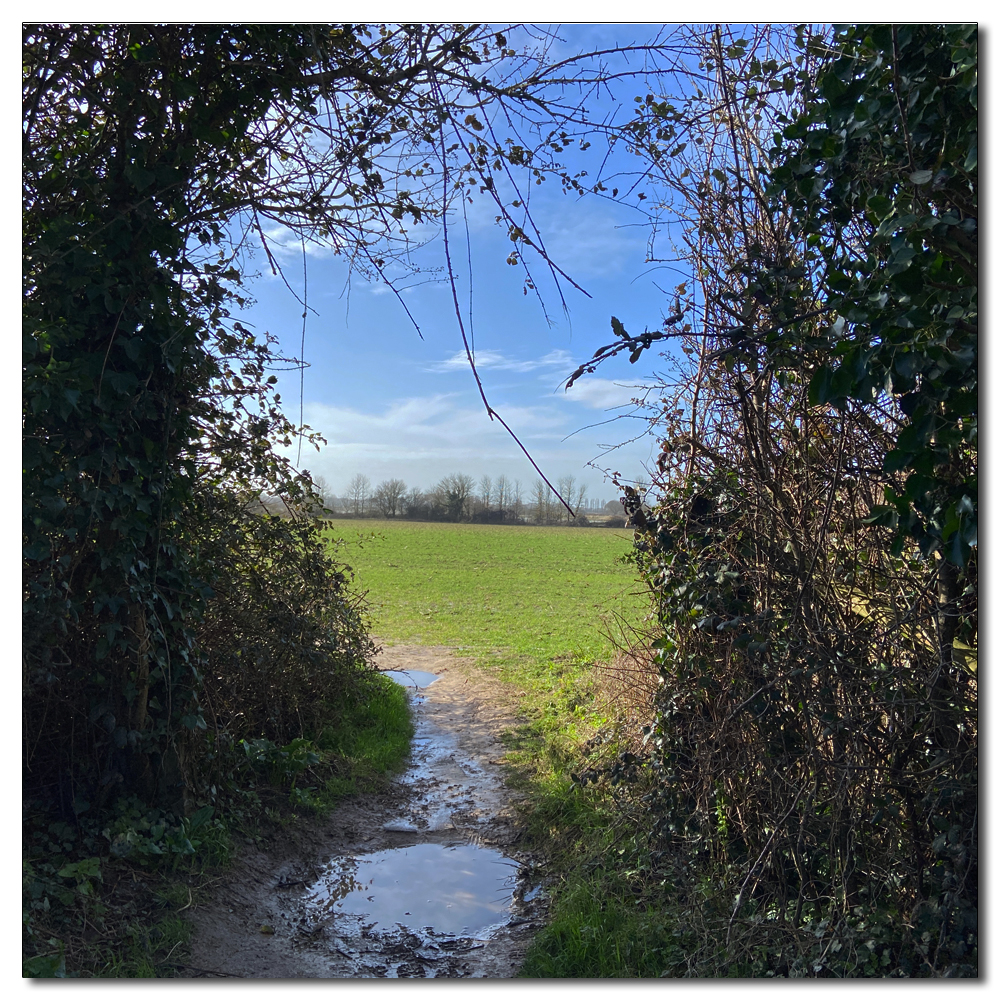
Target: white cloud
[286, 246]
[499, 362]
[604, 394]
[421, 439]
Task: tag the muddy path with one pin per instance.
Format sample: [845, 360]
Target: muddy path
[422, 881]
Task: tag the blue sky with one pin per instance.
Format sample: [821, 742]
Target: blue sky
[391, 404]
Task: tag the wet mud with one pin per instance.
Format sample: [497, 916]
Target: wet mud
[423, 881]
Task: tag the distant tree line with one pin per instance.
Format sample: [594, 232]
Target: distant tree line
[460, 497]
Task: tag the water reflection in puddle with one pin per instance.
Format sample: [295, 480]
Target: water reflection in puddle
[412, 678]
[450, 890]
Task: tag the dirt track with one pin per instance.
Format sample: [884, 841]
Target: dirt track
[300, 909]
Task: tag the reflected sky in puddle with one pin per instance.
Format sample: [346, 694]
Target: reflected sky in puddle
[412, 678]
[452, 890]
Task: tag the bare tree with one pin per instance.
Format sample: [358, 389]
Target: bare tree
[454, 493]
[359, 493]
[388, 497]
[502, 493]
[324, 496]
[567, 488]
[541, 496]
[415, 502]
[486, 494]
[517, 500]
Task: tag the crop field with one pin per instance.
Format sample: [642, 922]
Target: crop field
[530, 594]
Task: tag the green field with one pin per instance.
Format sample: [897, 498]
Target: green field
[500, 593]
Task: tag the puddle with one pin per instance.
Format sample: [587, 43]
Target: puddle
[415, 679]
[445, 781]
[420, 882]
[447, 890]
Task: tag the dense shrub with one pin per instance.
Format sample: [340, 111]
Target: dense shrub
[811, 546]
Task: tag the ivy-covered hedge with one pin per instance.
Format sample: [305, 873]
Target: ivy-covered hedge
[811, 546]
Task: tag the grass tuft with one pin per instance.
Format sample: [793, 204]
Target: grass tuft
[369, 742]
[600, 931]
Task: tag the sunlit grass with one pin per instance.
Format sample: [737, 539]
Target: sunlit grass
[370, 740]
[494, 591]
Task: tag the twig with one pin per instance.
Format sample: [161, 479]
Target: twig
[756, 864]
[465, 340]
[302, 349]
[204, 972]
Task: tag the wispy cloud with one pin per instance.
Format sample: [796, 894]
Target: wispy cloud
[500, 362]
[605, 394]
[286, 246]
[421, 439]
[594, 240]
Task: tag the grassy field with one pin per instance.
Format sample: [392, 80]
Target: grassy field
[524, 594]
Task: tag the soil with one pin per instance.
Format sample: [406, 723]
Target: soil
[299, 909]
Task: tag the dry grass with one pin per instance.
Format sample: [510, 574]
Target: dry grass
[626, 692]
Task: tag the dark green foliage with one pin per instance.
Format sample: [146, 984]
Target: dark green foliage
[795, 746]
[283, 638]
[132, 386]
[880, 173]
[166, 618]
